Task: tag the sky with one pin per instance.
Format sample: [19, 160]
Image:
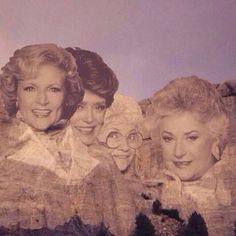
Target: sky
[147, 43]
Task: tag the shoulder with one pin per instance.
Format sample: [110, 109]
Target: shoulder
[10, 131]
[225, 170]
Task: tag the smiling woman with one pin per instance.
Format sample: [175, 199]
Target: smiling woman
[190, 127]
[118, 146]
[46, 172]
[187, 146]
[39, 89]
[35, 77]
[190, 119]
[40, 100]
[122, 134]
[100, 85]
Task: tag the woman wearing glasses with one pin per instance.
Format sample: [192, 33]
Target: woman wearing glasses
[123, 142]
[122, 135]
[118, 148]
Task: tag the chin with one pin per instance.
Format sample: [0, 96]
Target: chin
[123, 169]
[188, 178]
[123, 166]
[87, 140]
[39, 127]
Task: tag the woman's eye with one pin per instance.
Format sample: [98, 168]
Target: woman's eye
[113, 135]
[29, 89]
[55, 90]
[167, 139]
[132, 136]
[100, 107]
[192, 137]
[80, 107]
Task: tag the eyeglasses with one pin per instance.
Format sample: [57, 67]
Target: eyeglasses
[134, 140]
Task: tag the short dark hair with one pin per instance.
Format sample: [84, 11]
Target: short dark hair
[96, 75]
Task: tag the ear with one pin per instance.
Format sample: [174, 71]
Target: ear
[215, 150]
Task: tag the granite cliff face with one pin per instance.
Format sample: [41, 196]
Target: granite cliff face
[19, 189]
[214, 198]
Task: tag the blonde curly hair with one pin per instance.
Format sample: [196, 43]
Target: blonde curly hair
[195, 95]
[25, 64]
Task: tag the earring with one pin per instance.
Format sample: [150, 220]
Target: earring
[17, 103]
[216, 154]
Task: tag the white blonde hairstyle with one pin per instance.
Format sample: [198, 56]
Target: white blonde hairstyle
[124, 110]
[195, 95]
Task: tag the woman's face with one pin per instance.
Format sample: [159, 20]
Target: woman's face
[89, 117]
[123, 154]
[187, 146]
[40, 99]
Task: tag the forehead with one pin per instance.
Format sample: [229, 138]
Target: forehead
[182, 123]
[92, 98]
[121, 127]
[45, 75]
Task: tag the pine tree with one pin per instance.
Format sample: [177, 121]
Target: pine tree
[103, 231]
[196, 226]
[156, 207]
[144, 227]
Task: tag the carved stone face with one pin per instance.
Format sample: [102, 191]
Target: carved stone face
[187, 146]
[89, 117]
[40, 99]
[123, 154]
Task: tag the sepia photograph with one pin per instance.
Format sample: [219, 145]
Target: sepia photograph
[117, 118]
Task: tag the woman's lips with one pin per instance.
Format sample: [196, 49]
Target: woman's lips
[85, 129]
[182, 164]
[41, 113]
[121, 156]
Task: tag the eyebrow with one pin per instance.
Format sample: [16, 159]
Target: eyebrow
[192, 131]
[32, 84]
[27, 84]
[97, 103]
[82, 103]
[133, 130]
[55, 85]
[167, 132]
[114, 129]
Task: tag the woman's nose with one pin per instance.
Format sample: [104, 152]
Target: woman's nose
[89, 117]
[42, 98]
[123, 145]
[179, 150]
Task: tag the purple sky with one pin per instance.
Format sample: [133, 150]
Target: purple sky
[146, 42]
